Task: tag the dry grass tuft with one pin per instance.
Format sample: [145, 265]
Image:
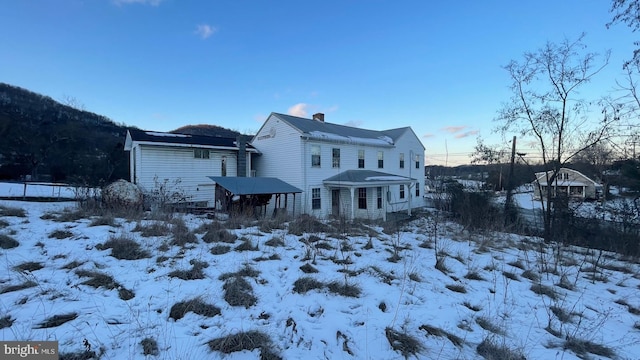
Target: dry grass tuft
[307, 224]
[196, 272]
[56, 320]
[492, 351]
[435, 331]
[406, 344]
[7, 242]
[474, 275]
[246, 245]
[12, 211]
[60, 234]
[459, 288]
[156, 228]
[275, 242]
[196, 306]
[249, 340]
[238, 292]
[219, 235]
[308, 268]
[541, 289]
[25, 285]
[124, 247]
[344, 289]
[149, 347]
[220, 249]
[486, 324]
[582, 347]
[28, 266]
[6, 321]
[304, 284]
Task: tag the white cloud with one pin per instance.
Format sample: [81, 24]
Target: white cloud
[143, 2]
[204, 30]
[299, 109]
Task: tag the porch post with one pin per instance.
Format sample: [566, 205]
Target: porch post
[353, 210]
[384, 202]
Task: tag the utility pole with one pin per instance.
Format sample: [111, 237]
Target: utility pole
[507, 204]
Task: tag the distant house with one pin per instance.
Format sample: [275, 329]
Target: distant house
[181, 163]
[568, 182]
[342, 170]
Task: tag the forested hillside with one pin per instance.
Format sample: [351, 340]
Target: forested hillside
[47, 140]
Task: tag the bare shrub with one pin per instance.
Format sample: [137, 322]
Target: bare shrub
[56, 320]
[304, 284]
[238, 292]
[400, 341]
[149, 347]
[7, 242]
[435, 331]
[28, 266]
[60, 234]
[124, 248]
[196, 306]
[219, 235]
[489, 350]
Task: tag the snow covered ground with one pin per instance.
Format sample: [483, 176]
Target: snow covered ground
[62, 283]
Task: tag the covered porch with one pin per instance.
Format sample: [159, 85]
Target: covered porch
[249, 193]
[367, 191]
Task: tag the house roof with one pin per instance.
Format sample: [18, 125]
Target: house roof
[366, 178]
[180, 139]
[327, 131]
[542, 180]
[254, 185]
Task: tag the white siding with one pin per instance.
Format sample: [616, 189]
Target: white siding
[177, 168]
[280, 146]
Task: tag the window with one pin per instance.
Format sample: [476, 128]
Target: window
[401, 191]
[401, 160]
[360, 159]
[379, 197]
[362, 198]
[201, 153]
[315, 198]
[380, 159]
[223, 166]
[417, 189]
[315, 155]
[335, 157]
[417, 161]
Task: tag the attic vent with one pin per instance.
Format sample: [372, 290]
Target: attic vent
[318, 117]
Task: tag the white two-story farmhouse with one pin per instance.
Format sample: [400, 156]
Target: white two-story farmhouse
[342, 170]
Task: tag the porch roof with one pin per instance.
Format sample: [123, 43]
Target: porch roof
[254, 185]
[366, 178]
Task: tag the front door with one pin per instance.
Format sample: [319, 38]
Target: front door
[335, 202]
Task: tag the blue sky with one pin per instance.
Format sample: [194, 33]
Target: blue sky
[433, 65]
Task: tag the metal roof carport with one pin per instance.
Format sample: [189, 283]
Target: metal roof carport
[249, 186]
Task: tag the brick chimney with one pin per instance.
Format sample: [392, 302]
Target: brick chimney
[318, 117]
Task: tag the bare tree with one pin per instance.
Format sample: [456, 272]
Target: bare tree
[627, 12]
[546, 105]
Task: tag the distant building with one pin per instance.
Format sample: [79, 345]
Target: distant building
[568, 182]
